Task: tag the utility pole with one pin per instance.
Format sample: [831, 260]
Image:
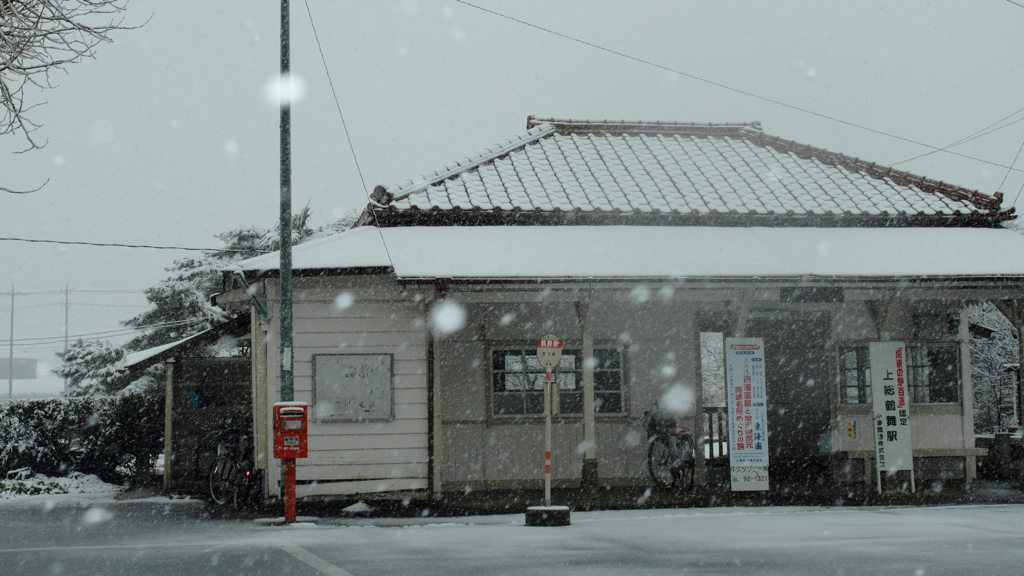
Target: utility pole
[66, 314]
[287, 382]
[10, 364]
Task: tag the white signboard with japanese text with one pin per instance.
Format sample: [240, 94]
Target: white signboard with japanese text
[891, 407]
[748, 413]
[353, 387]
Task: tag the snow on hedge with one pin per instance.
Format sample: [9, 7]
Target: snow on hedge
[75, 483]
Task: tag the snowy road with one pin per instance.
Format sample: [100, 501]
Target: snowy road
[154, 537]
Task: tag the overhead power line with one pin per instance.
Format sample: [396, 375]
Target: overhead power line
[731, 88]
[344, 125]
[118, 332]
[117, 245]
[969, 138]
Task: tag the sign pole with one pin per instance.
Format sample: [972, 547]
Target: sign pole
[549, 354]
[548, 401]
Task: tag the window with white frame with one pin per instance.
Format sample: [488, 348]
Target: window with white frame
[518, 382]
[933, 373]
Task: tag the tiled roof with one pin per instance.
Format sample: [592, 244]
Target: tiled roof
[586, 167]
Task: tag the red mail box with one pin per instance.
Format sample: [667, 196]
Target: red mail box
[291, 425]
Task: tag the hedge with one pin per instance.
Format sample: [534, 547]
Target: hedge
[115, 437]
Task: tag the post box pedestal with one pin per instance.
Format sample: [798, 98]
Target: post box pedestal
[547, 516]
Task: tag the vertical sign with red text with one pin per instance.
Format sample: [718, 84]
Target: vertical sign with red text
[748, 413]
[891, 406]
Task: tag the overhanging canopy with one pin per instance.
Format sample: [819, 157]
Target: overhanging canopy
[615, 252]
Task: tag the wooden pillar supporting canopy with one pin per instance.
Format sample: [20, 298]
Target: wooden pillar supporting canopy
[586, 316]
[168, 423]
[700, 432]
[739, 320]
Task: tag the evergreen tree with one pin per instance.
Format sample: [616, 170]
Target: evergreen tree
[180, 304]
[91, 368]
[993, 384]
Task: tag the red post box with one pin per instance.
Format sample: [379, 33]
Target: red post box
[291, 425]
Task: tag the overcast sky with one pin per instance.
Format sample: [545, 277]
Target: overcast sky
[168, 136]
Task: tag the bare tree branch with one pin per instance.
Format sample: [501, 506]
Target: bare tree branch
[12, 191]
[37, 38]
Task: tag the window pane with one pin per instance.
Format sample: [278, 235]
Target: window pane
[853, 363]
[511, 381]
[508, 403]
[570, 403]
[934, 373]
[534, 403]
[534, 380]
[606, 381]
[607, 359]
[851, 396]
[607, 402]
[568, 360]
[568, 380]
[943, 378]
[531, 361]
[508, 360]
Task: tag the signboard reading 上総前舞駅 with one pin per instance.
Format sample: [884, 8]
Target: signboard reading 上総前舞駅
[748, 414]
[891, 408]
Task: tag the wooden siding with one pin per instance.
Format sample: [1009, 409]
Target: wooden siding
[383, 318]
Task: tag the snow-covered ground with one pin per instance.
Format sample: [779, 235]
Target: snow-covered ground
[159, 537]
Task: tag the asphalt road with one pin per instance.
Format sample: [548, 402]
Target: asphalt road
[98, 536]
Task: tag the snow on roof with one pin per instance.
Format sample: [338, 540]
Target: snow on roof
[143, 355]
[668, 168]
[485, 252]
[144, 358]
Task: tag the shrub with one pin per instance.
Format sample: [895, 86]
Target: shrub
[115, 437]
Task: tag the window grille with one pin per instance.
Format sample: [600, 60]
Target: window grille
[518, 382]
[933, 373]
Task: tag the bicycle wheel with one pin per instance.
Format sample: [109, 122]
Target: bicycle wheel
[659, 463]
[687, 464]
[221, 480]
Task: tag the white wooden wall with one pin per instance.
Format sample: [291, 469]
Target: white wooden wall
[358, 457]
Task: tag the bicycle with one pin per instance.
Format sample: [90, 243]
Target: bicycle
[670, 455]
[231, 477]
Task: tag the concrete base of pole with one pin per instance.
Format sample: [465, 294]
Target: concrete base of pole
[547, 516]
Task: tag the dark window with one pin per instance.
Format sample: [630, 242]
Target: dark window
[853, 375]
[518, 382]
[934, 373]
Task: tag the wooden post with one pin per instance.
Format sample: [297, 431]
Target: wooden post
[589, 473]
[168, 423]
[700, 428]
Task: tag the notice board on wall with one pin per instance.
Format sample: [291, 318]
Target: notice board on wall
[353, 387]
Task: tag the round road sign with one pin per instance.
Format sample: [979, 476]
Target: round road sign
[549, 352]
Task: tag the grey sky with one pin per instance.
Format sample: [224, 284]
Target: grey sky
[167, 137]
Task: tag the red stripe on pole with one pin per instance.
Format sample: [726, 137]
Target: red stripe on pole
[547, 455]
[547, 469]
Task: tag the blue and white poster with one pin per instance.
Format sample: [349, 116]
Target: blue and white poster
[748, 413]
